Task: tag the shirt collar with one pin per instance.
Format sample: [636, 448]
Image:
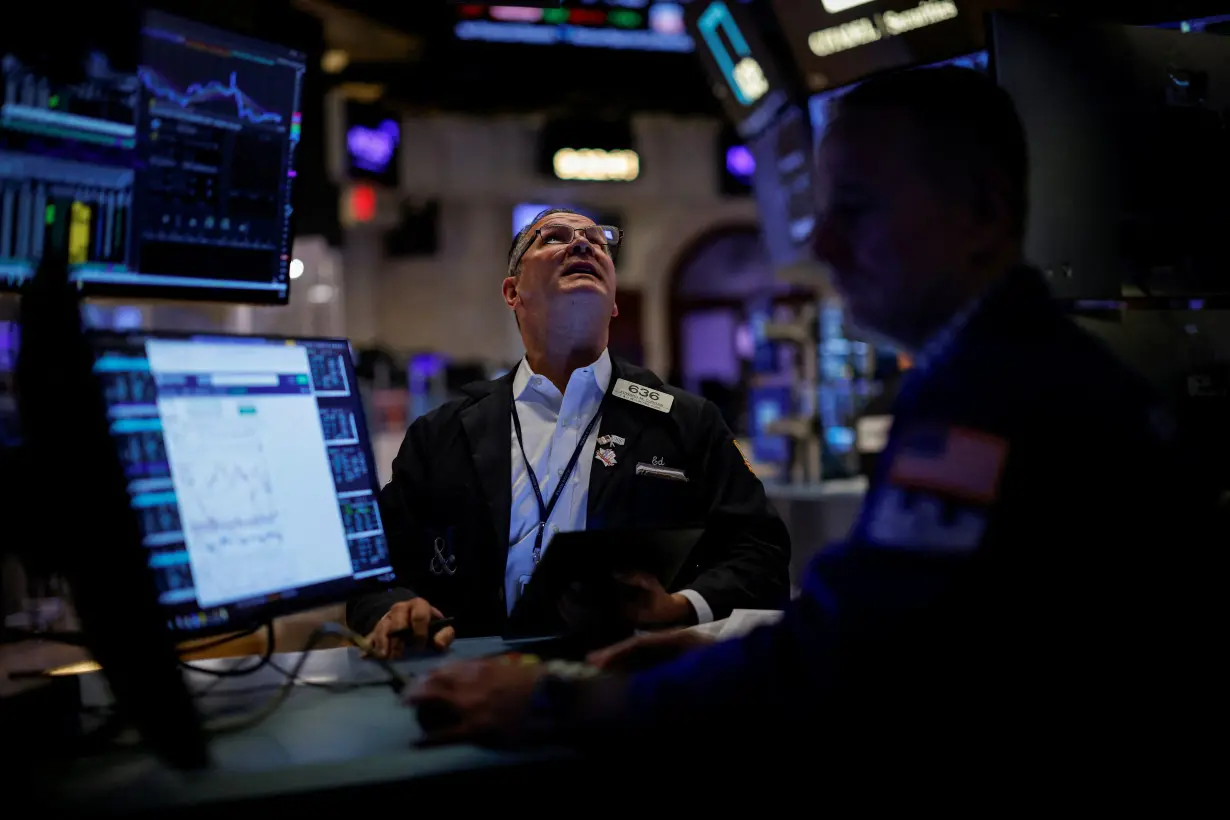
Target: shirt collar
[600, 371]
[942, 338]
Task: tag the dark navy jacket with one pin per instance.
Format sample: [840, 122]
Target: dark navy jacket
[1025, 558]
[452, 484]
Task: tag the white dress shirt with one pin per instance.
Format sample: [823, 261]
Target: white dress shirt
[551, 425]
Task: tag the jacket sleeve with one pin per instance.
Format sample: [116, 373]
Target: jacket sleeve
[745, 557]
[896, 628]
[396, 513]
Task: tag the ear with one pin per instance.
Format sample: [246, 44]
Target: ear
[614, 309]
[511, 297]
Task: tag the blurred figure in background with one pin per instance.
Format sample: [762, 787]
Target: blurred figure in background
[571, 439]
[1019, 567]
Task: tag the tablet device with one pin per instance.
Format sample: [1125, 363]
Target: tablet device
[579, 567]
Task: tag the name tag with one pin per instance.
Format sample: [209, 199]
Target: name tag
[669, 473]
[644, 396]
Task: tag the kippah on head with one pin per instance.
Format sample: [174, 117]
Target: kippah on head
[524, 236]
[963, 118]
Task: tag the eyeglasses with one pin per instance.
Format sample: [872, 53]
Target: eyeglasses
[605, 236]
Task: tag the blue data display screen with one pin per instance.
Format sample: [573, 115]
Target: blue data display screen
[636, 25]
[174, 180]
[250, 469]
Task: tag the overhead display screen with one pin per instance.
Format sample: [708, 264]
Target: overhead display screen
[782, 182]
[837, 42]
[173, 180]
[744, 75]
[638, 25]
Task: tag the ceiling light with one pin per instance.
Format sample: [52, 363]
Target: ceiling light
[334, 61]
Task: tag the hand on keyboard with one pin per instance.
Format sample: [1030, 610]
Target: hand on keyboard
[483, 701]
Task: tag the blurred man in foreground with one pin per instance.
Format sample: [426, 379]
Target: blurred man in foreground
[1013, 574]
[572, 438]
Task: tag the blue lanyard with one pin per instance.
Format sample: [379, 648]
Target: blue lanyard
[544, 509]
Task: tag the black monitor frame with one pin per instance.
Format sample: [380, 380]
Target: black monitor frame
[168, 254]
[338, 590]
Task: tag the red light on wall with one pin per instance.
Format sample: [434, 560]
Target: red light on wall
[362, 203]
[472, 10]
[586, 17]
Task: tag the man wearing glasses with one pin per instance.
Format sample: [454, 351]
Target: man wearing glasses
[571, 439]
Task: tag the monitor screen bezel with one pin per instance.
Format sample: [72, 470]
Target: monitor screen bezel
[248, 619]
[220, 294]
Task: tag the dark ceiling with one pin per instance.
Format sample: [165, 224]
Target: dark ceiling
[491, 78]
[438, 71]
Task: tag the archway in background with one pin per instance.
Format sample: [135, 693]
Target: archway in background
[720, 279]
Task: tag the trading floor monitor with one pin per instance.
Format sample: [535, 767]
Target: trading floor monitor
[1129, 154]
[249, 465]
[169, 178]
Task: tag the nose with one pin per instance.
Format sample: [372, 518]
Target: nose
[580, 244]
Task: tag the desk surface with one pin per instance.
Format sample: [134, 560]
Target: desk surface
[316, 741]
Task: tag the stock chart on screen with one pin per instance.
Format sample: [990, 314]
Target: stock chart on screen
[249, 467]
[174, 180]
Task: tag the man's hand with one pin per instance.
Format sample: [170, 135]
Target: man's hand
[645, 651]
[646, 603]
[489, 699]
[415, 614]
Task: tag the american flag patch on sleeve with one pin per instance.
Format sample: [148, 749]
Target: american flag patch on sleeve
[956, 462]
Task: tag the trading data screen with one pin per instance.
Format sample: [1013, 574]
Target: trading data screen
[173, 181]
[250, 467]
[637, 25]
[836, 42]
[745, 75]
[782, 183]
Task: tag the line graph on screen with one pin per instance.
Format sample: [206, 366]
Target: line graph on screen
[204, 93]
[228, 506]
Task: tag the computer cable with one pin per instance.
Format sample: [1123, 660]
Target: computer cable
[396, 680]
[223, 640]
[260, 664]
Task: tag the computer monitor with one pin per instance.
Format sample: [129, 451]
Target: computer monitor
[746, 76]
[249, 464]
[170, 181]
[782, 183]
[837, 42]
[640, 25]
[1129, 154]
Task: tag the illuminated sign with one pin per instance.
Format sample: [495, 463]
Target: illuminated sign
[361, 204]
[637, 25]
[743, 74]
[373, 143]
[837, 6]
[866, 30]
[740, 162]
[371, 149]
[596, 164]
